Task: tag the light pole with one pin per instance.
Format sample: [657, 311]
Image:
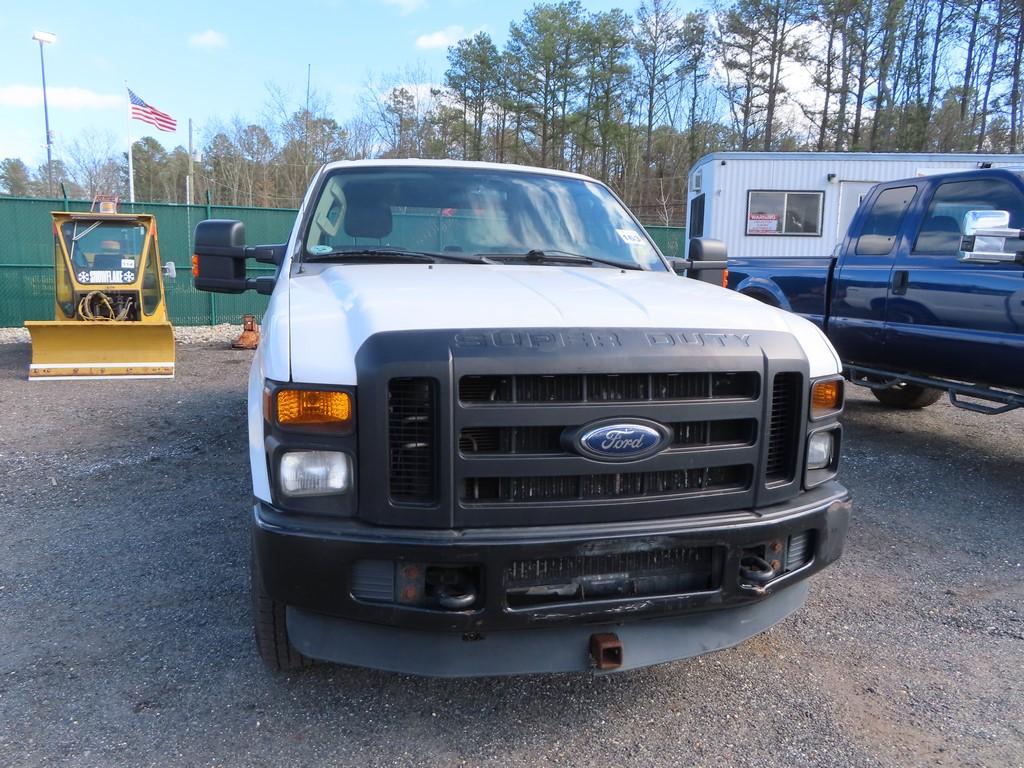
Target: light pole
[43, 38]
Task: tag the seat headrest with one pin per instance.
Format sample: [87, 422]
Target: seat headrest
[368, 220]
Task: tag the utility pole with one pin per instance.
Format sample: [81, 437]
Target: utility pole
[46, 37]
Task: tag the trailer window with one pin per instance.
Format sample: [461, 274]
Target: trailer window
[778, 212]
[697, 216]
[882, 225]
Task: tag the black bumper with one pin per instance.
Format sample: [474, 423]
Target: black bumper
[307, 566]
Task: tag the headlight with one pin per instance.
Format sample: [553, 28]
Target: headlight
[821, 449]
[315, 473]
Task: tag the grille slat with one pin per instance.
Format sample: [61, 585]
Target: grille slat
[782, 428]
[412, 439]
[548, 440]
[607, 387]
[799, 550]
[611, 575]
[620, 485]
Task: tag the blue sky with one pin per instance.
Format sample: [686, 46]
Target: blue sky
[210, 60]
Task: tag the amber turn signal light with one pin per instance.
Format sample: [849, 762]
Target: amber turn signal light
[300, 407]
[195, 265]
[826, 397]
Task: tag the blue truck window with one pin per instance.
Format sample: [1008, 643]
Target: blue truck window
[941, 229]
[878, 234]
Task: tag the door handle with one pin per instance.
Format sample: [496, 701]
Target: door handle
[898, 283]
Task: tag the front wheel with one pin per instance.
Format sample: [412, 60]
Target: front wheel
[907, 397]
[268, 616]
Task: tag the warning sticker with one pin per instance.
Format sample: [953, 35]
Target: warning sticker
[762, 224]
[630, 237]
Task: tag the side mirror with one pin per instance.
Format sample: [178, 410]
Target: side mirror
[985, 236]
[707, 261]
[218, 263]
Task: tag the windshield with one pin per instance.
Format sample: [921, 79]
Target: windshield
[104, 251]
[469, 211]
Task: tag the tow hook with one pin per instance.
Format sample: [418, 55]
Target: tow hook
[606, 651]
[755, 573]
[453, 600]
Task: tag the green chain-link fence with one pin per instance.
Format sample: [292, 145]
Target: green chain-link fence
[26, 256]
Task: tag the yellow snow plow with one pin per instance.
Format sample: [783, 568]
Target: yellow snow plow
[110, 313]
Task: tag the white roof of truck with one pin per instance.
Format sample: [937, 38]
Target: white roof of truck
[472, 164]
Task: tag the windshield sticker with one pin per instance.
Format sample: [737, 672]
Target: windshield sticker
[319, 249]
[629, 237]
[127, 263]
[105, 276]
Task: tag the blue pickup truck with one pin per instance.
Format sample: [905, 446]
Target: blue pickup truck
[924, 296]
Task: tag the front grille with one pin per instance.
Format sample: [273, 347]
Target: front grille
[783, 426]
[607, 387]
[638, 572]
[521, 490]
[412, 439]
[548, 440]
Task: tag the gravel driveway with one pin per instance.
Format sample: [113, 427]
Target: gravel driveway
[125, 636]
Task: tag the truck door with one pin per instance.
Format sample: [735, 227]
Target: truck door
[856, 322]
[954, 319]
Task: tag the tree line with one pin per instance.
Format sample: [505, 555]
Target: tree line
[630, 98]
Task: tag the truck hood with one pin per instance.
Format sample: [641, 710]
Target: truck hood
[334, 308]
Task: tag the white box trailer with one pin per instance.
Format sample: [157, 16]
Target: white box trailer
[799, 204]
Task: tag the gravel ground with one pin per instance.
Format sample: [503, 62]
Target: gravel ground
[125, 636]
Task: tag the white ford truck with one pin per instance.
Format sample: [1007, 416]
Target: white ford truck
[491, 431]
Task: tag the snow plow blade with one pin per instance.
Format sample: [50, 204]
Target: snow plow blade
[101, 350]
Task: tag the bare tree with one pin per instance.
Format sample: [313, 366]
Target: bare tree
[95, 164]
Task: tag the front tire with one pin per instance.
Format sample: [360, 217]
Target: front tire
[268, 616]
[907, 397]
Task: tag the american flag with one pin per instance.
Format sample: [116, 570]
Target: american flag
[147, 114]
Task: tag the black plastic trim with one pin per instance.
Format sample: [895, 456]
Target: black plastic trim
[449, 354]
[278, 440]
[308, 566]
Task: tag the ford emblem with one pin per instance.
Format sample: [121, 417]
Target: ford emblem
[621, 441]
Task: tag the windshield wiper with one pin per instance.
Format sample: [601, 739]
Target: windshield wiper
[555, 256]
[379, 254]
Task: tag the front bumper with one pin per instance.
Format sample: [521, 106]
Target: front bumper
[307, 566]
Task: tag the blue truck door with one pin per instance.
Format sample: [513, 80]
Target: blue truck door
[856, 322]
[953, 319]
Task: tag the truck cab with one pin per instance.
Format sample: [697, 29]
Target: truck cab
[492, 432]
[912, 307]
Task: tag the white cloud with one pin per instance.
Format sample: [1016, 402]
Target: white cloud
[442, 38]
[57, 96]
[405, 7]
[211, 38]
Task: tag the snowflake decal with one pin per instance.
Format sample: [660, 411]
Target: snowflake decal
[83, 276]
[127, 277]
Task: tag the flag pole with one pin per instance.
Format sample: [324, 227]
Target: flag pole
[131, 172]
[189, 183]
